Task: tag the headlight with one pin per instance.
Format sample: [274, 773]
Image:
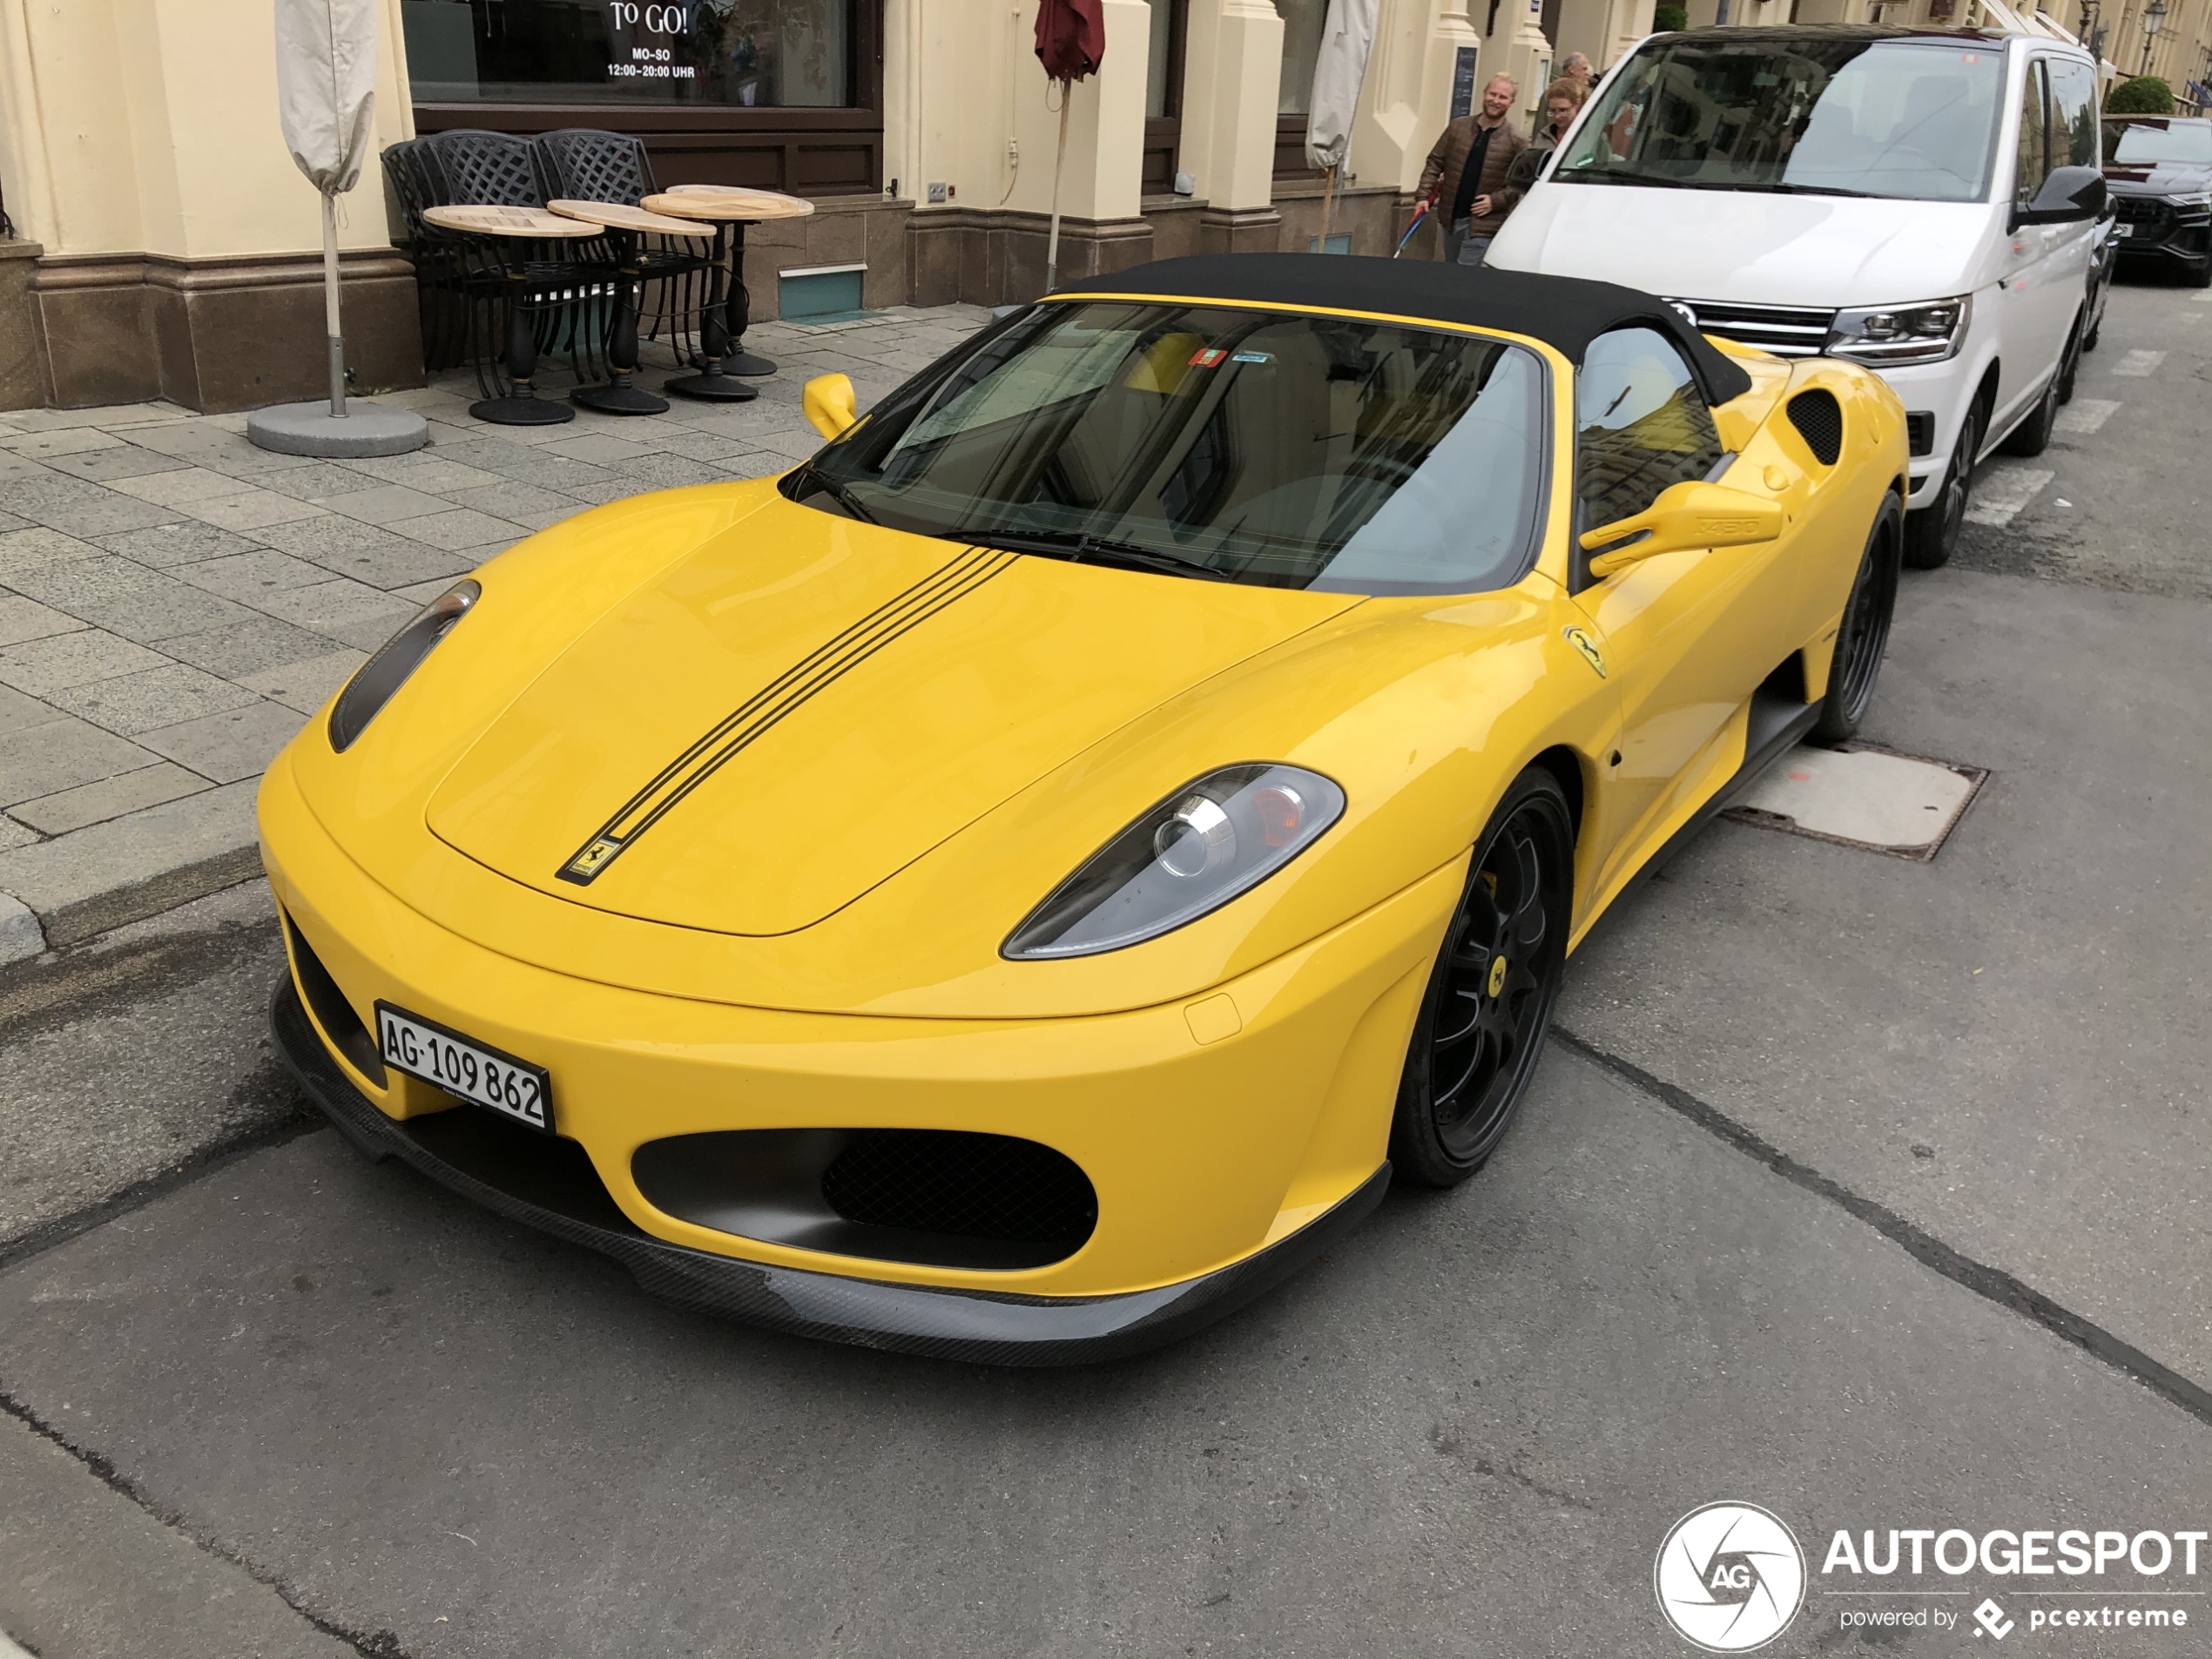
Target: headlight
[1193, 853]
[1883, 335]
[374, 681]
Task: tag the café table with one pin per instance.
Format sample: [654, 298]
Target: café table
[510, 233]
[625, 225]
[722, 323]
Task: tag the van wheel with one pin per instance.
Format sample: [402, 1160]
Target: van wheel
[1931, 534]
[2070, 365]
[2033, 435]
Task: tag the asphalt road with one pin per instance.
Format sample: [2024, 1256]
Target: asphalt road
[257, 1398]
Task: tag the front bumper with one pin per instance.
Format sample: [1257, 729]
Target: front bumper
[475, 1155]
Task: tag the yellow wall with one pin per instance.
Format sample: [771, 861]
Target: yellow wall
[150, 127]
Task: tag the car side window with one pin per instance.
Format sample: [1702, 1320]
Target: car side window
[2034, 163]
[2074, 130]
[1640, 425]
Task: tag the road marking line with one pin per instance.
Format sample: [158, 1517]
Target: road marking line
[2139, 364]
[9, 1650]
[2001, 490]
[2204, 297]
[2087, 414]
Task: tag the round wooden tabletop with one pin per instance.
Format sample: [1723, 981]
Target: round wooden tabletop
[507, 221]
[623, 217]
[718, 203]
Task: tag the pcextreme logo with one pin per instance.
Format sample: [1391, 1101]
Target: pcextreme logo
[1729, 1577]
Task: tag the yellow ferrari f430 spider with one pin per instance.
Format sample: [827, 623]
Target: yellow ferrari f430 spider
[1021, 883]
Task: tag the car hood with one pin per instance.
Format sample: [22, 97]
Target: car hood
[803, 705]
[2165, 178]
[1747, 246]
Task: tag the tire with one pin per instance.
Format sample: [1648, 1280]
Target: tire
[1864, 636]
[2097, 328]
[2200, 276]
[2070, 365]
[1488, 1006]
[1932, 533]
[2033, 435]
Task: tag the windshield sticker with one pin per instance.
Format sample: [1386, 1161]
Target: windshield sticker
[1210, 357]
[1253, 357]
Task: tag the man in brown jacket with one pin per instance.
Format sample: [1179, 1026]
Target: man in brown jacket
[1465, 180]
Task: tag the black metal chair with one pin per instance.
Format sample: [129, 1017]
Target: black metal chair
[464, 286]
[588, 163]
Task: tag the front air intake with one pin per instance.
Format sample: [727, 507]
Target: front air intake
[1819, 421]
[943, 1197]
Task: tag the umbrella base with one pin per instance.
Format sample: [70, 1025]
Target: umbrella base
[309, 429]
[745, 362]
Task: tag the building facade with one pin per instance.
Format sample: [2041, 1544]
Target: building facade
[165, 246]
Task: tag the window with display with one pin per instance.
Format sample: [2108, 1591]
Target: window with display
[731, 54]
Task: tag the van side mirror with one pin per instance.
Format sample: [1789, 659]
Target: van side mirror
[2068, 193]
[830, 406]
[1689, 516]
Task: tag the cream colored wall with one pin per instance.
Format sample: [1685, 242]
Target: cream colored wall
[150, 126]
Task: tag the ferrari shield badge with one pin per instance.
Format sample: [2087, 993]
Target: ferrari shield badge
[1588, 647]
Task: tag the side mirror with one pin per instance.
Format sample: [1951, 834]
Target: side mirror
[830, 405]
[1686, 517]
[1520, 174]
[2068, 193]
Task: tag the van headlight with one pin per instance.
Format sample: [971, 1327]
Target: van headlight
[1885, 334]
[1191, 853]
[375, 680]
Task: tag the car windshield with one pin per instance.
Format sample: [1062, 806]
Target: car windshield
[1266, 447]
[2140, 143]
[1904, 119]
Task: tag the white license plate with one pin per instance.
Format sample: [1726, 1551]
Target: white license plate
[2123, 229]
[462, 1066]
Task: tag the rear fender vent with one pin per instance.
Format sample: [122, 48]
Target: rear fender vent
[341, 1025]
[937, 1197]
[1819, 421]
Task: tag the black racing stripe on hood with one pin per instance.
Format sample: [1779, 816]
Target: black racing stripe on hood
[780, 697]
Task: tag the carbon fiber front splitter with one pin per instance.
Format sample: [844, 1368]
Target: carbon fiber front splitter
[564, 1197]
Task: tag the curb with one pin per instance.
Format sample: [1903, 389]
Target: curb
[59, 891]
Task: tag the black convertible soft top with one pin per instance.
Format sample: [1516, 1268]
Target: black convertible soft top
[1565, 313]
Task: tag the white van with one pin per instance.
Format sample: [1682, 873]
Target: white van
[1922, 202]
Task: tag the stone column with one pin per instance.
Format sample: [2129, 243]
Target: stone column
[1231, 65]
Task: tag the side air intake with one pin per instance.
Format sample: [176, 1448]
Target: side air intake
[1819, 421]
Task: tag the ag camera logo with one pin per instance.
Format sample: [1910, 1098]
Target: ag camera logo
[1729, 1577]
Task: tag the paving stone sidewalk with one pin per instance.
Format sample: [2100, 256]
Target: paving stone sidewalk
[175, 602]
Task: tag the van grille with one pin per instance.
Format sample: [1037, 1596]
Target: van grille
[1786, 330]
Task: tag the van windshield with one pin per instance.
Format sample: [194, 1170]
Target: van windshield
[1906, 119]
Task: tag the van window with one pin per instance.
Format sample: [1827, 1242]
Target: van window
[1639, 426]
[2034, 164]
[1906, 119]
[2074, 112]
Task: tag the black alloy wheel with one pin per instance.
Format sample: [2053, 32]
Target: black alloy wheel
[1864, 638]
[1931, 534]
[1489, 1000]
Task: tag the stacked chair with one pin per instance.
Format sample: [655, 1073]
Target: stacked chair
[570, 296]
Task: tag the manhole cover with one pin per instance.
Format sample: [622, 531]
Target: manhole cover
[1861, 796]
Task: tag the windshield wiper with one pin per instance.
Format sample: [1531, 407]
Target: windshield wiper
[1816, 190]
[1608, 176]
[1080, 547]
[839, 493]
